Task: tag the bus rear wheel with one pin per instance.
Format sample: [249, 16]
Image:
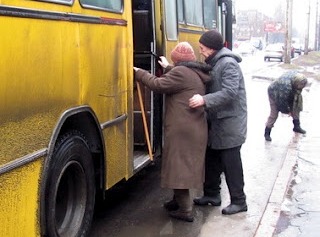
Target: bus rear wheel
[70, 194]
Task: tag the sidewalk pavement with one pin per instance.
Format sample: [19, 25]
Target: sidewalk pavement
[301, 208]
[293, 208]
[269, 73]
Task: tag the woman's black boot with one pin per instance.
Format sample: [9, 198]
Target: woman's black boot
[297, 128]
[267, 132]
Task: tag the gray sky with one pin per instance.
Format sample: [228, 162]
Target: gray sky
[299, 10]
[267, 6]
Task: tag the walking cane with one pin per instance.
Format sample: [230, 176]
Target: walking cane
[145, 125]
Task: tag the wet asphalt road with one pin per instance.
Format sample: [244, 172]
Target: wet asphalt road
[135, 209]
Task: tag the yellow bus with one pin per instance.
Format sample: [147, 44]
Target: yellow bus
[71, 120]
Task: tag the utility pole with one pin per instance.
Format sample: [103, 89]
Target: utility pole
[318, 28]
[316, 38]
[306, 39]
[288, 32]
[318, 25]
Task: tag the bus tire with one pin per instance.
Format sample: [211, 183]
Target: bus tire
[70, 190]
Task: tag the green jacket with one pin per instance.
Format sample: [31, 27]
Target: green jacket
[285, 93]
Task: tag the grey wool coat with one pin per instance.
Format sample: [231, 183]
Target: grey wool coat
[226, 101]
[185, 129]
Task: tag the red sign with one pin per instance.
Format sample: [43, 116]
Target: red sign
[269, 27]
[273, 27]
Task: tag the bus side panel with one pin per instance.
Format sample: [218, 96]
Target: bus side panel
[106, 88]
[19, 195]
[38, 81]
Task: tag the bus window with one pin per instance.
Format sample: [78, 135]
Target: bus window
[171, 19]
[193, 12]
[180, 11]
[225, 21]
[210, 14]
[60, 1]
[113, 5]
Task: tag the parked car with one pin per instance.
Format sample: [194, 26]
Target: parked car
[245, 48]
[298, 47]
[257, 43]
[276, 51]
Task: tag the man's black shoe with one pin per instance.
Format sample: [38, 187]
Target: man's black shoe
[234, 208]
[206, 200]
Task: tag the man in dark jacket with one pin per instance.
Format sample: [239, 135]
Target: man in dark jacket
[226, 107]
[285, 97]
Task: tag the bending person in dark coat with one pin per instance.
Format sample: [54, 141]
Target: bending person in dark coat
[285, 97]
[185, 128]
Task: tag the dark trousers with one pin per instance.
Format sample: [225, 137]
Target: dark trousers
[229, 162]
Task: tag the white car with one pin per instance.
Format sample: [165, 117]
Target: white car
[245, 48]
[274, 51]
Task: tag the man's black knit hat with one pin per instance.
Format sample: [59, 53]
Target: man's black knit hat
[212, 39]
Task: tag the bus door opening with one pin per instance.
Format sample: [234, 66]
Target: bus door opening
[145, 58]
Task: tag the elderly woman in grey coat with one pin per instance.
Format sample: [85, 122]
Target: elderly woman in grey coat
[185, 128]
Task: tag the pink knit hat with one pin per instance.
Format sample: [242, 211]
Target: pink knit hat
[183, 52]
